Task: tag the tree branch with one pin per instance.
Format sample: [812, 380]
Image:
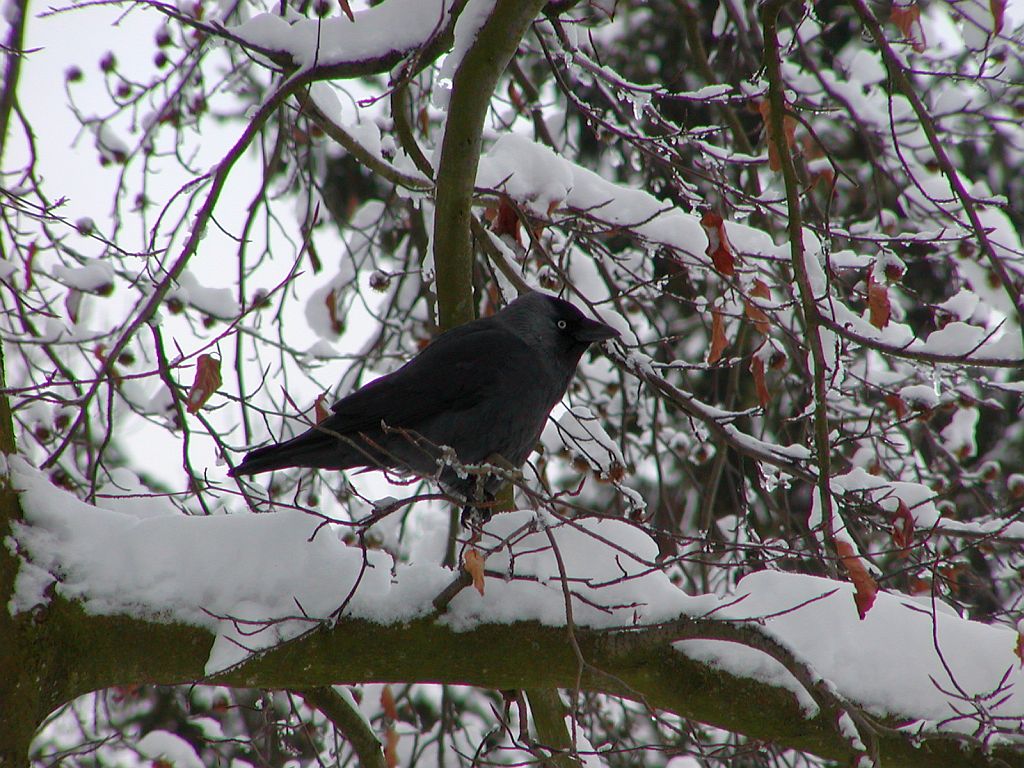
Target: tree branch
[472, 89]
[101, 651]
[902, 82]
[349, 722]
[549, 719]
[808, 301]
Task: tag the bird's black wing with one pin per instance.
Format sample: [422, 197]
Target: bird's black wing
[454, 373]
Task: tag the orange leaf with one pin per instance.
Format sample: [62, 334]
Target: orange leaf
[757, 369]
[387, 703]
[879, 308]
[391, 747]
[719, 248]
[895, 402]
[788, 129]
[124, 693]
[919, 586]
[894, 271]
[320, 408]
[100, 353]
[719, 341]
[30, 256]
[952, 574]
[516, 98]
[826, 177]
[337, 321]
[72, 303]
[207, 382]
[865, 586]
[614, 473]
[347, 10]
[760, 289]
[908, 18]
[903, 526]
[473, 563]
[998, 9]
[757, 316]
[506, 221]
[1019, 650]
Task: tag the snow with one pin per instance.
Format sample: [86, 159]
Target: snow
[255, 580]
[956, 338]
[471, 20]
[920, 395]
[866, 67]
[911, 648]
[170, 749]
[93, 277]
[888, 494]
[11, 12]
[7, 269]
[542, 181]
[94, 550]
[396, 26]
[583, 435]
[216, 302]
[367, 135]
[959, 435]
[609, 564]
[528, 172]
[961, 305]
[110, 145]
[920, 500]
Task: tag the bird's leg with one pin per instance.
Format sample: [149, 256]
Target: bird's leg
[473, 526]
[479, 506]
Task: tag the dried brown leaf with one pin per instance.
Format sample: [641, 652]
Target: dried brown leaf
[387, 703]
[998, 9]
[473, 563]
[789, 133]
[903, 526]
[907, 16]
[719, 249]
[865, 586]
[72, 303]
[337, 321]
[719, 341]
[754, 313]
[207, 382]
[506, 221]
[757, 369]
[391, 747]
[897, 404]
[879, 308]
[320, 408]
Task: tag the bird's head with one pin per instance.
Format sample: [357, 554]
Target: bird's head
[555, 324]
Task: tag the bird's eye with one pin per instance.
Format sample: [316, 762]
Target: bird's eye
[562, 325]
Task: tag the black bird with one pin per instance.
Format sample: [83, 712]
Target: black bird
[484, 389]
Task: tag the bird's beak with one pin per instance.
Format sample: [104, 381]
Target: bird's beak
[591, 330]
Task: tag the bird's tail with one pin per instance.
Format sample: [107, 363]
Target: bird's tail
[310, 449]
